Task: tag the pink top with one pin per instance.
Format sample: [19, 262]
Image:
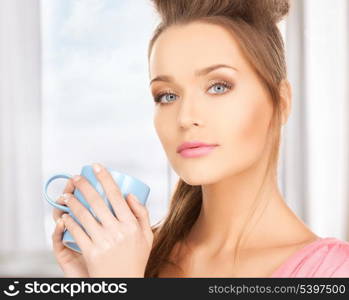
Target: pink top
[325, 257]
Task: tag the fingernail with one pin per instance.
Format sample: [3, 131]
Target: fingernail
[134, 198]
[64, 216]
[76, 178]
[96, 167]
[66, 197]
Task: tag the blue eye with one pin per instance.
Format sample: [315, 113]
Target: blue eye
[158, 97]
[223, 84]
[170, 96]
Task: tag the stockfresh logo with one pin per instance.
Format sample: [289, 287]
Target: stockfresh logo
[12, 290]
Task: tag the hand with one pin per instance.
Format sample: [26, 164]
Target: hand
[72, 263]
[114, 246]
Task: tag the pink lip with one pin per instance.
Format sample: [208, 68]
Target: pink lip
[192, 144]
[198, 151]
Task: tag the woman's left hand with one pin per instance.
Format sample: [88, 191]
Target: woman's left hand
[116, 246]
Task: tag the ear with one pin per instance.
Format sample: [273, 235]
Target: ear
[285, 99]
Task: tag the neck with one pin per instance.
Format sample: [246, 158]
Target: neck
[234, 202]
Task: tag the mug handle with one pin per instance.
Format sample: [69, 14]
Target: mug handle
[48, 198]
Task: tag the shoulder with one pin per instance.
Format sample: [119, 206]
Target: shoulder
[326, 257]
[336, 258]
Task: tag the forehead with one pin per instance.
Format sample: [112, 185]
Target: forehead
[192, 46]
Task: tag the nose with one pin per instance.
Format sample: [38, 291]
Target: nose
[188, 113]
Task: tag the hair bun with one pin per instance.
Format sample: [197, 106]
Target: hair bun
[269, 10]
[257, 12]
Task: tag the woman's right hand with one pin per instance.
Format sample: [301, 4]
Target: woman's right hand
[71, 262]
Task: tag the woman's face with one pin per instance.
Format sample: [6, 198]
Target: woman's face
[227, 106]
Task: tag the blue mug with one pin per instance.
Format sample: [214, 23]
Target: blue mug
[127, 184]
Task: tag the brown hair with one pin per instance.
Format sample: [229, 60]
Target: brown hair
[253, 24]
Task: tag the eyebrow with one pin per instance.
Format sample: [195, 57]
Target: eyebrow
[204, 71]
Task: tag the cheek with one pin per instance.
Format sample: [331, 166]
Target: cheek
[158, 126]
[249, 129]
[163, 128]
[254, 122]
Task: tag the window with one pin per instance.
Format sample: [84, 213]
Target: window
[96, 102]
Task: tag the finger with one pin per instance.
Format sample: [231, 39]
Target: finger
[140, 212]
[95, 200]
[90, 224]
[57, 213]
[79, 235]
[57, 243]
[114, 194]
[68, 189]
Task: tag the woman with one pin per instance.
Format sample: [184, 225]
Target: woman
[218, 76]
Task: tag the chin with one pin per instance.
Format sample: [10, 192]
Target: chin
[198, 179]
[197, 173]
